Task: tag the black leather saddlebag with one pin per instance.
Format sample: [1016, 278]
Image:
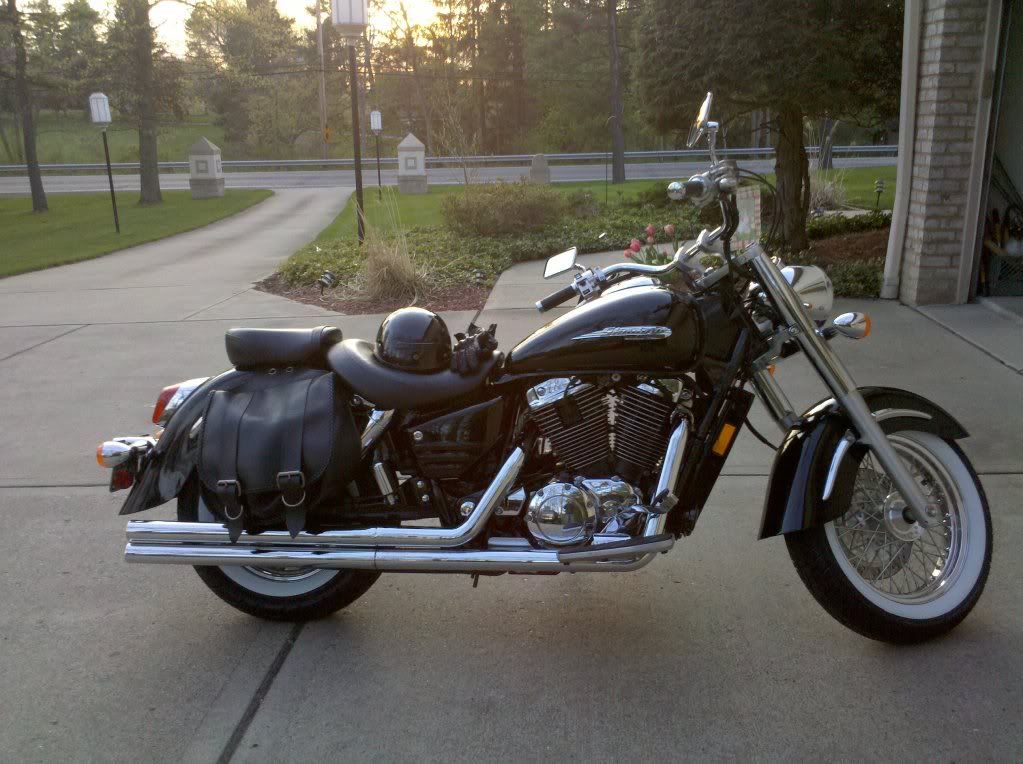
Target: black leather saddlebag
[277, 447]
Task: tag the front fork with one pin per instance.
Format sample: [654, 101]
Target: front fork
[838, 380]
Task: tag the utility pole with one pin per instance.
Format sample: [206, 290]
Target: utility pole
[323, 82]
[615, 121]
[353, 71]
[351, 18]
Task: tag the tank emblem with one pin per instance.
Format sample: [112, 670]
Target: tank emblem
[627, 333]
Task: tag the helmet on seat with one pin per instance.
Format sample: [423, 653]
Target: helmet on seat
[414, 339]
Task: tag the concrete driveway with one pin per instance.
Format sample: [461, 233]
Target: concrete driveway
[716, 651]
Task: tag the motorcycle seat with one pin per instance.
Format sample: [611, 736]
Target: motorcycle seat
[389, 388]
[261, 348]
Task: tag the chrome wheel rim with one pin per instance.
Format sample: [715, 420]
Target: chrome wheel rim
[282, 574]
[897, 558]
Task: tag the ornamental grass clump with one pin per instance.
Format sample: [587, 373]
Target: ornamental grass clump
[391, 271]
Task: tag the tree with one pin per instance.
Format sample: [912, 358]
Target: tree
[143, 79]
[79, 52]
[23, 97]
[797, 58]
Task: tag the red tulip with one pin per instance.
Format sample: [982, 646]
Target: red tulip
[635, 245]
[669, 229]
[650, 239]
[650, 230]
[628, 253]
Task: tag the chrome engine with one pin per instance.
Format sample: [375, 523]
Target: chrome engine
[598, 431]
[562, 514]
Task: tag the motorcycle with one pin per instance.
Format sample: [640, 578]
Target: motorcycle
[317, 463]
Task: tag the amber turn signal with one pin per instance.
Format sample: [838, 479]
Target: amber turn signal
[855, 326]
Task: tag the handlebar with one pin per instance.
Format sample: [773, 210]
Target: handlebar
[555, 299]
[720, 180]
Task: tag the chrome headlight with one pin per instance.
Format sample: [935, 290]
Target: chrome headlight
[813, 287]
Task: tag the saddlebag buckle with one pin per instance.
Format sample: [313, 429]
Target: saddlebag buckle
[292, 487]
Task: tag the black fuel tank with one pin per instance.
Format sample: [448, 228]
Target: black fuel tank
[641, 328]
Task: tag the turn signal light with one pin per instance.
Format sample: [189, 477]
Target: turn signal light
[112, 453]
[855, 326]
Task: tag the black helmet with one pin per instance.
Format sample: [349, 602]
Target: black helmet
[414, 339]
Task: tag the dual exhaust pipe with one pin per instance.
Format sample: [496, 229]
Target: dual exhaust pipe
[425, 550]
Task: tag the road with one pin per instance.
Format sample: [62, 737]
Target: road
[13, 185]
[715, 651]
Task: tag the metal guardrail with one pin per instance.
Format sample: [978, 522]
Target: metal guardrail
[476, 161]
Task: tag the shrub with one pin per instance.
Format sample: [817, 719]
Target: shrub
[448, 258]
[835, 225]
[852, 278]
[497, 209]
[656, 196]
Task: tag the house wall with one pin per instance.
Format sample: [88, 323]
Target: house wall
[950, 106]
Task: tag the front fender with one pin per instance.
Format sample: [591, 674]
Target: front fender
[796, 491]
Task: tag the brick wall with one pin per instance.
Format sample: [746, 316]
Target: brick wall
[951, 53]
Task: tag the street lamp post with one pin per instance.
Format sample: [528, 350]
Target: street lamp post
[350, 18]
[99, 110]
[376, 125]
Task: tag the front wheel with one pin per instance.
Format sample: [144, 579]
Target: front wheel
[884, 576]
[277, 594]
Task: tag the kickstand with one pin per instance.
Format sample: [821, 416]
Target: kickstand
[475, 580]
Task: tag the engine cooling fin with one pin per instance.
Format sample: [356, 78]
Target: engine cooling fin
[642, 426]
[593, 431]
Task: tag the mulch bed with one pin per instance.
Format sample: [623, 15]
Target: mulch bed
[863, 245]
[452, 298]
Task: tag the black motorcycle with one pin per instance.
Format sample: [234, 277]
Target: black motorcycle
[317, 463]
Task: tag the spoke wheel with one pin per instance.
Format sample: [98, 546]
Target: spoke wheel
[899, 558]
[882, 574]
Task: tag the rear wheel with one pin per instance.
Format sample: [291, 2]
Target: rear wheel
[881, 574]
[277, 594]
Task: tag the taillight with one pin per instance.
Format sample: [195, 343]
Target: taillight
[161, 403]
[171, 398]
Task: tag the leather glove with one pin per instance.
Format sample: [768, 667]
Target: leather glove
[473, 348]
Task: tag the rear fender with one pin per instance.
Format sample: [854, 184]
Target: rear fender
[176, 454]
[815, 467]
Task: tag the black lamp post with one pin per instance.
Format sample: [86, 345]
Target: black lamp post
[376, 125]
[99, 110]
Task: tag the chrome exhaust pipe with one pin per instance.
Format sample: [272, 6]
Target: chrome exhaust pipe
[162, 532]
[493, 560]
[423, 550]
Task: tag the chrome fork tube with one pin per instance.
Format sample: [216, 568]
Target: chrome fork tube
[831, 369]
[774, 399]
[668, 479]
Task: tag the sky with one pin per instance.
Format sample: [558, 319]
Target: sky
[169, 17]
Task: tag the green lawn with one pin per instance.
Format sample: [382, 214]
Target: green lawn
[81, 226]
[397, 211]
[401, 212]
[70, 138]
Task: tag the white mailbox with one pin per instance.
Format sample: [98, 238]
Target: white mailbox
[412, 166]
[206, 171]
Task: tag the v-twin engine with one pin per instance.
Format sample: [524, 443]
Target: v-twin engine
[600, 431]
[608, 439]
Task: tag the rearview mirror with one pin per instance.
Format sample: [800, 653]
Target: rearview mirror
[700, 124]
[560, 263]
